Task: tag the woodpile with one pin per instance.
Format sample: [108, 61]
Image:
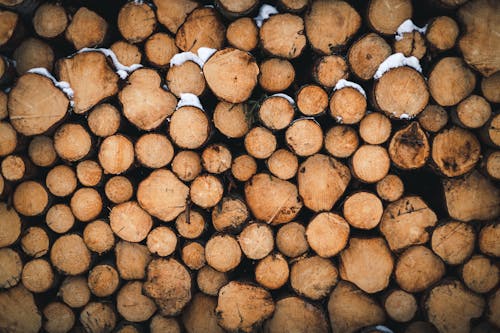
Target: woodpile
[240, 166]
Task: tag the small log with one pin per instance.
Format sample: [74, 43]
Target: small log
[341, 141]
[50, 20]
[216, 158]
[232, 65]
[126, 53]
[202, 28]
[433, 118]
[8, 138]
[409, 148]
[313, 277]
[193, 255]
[186, 78]
[411, 45]
[405, 222]
[159, 324]
[12, 268]
[363, 210]
[74, 291]
[199, 315]
[34, 242]
[312, 100]
[168, 283]
[328, 70]
[473, 112]
[487, 240]
[136, 21]
[293, 314]
[232, 9]
[366, 54]
[401, 92]
[161, 241]
[256, 240]
[490, 87]
[367, 263]
[130, 222]
[103, 280]
[304, 137]
[260, 142]
[400, 305]
[473, 197]
[480, 274]
[193, 118]
[86, 204]
[347, 105]
[210, 281]
[59, 218]
[271, 199]
[244, 167]
[90, 77]
[276, 112]
[59, 318]
[29, 106]
[98, 316]
[443, 78]
[326, 35]
[4, 112]
[489, 132]
[10, 225]
[386, 16]
[19, 312]
[283, 164]
[154, 150]
[186, 165]
[206, 191]
[418, 268]
[104, 120]
[190, 224]
[375, 128]
[229, 215]
[450, 307]
[15, 168]
[442, 33]
[30, 198]
[491, 164]
[327, 234]
[172, 14]
[86, 29]
[72, 142]
[453, 242]
[243, 307]
[132, 304]
[350, 309]
[370, 163]
[12, 30]
[41, 151]
[494, 308]
[118, 189]
[282, 35]
[159, 49]
[243, 34]
[223, 253]
[272, 272]
[131, 260]
[33, 53]
[291, 240]
[89, 173]
[231, 119]
[99, 237]
[70, 255]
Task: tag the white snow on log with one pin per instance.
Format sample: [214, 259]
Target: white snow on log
[209, 6]
[405, 116]
[122, 70]
[285, 96]
[397, 60]
[204, 53]
[339, 119]
[61, 85]
[188, 99]
[408, 26]
[383, 329]
[344, 83]
[264, 13]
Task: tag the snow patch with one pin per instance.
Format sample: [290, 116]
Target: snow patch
[204, 53]
[408, 26]
[209, 6]
[188, 99]
[383, 329]
[394, 61]
[339, 119]
[285, 96]
[122, 70]
[264, 13]
[344, 83]
[61, 85]
[138, 2]
[404, 116]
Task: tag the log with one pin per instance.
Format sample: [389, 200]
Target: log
[412, 44]
[193, 118]
[200, 315]
[9, 138]
[161, 241]
[442, 33]
[86, 204]
[327, 234]
[283, 164]
[74, 291]
[260, 142]
[30, 198]
[370, 163]
[386, 16]
[231, 119]
[118, 189]
[206, 191]
[347, 105]
[282, 35]
[132, 304]
[186, 78]
[193, 255]
[103, 280]
[243, 34]
[190, 225]
[375, 128]
[272, 272]
[15, 168]
[98, 317]
[104, 120]
[12, 268]
[130, 222]
[276, 112]
[453, 242]
[490, 164]
[232, 9]
[72, 142]
[330, 69]
[409, 147]
[12, 29]
[243, 167]
[341, 141]
[132, 260]
[291, 240]
[366, 54]
[136, 21]
[33, 53]
[41, 151]
[160, 324]
[229, 215]
[126, 53]
[493, 308]
[216, 158]
[50, 20]
[363, 210]
[209, 280]
[472, 112]
[202, 28]
[186, 165]
[70, 255]
[312, 100]
[223, 253]
[154, 150]
[486, 240]
[89, 173]
[35, 242]
[400, 305]
[18, 311]
[313, 277]
[10, 223]
[172, 14]
[98, 236]
[489, 88]
[59, 218]
[59, 318]
[480, 274]
[256, 240]
[86, 29]
[433, 118]
[304, 137]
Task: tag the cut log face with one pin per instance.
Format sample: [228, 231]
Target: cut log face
[223, 253]
[409, 147]
[276, 112]
[59, 317]
[442, 33]
[283, 35]
[173, 13]
[70, 255]
[231, 119]
[210, 280]
[304, 137]
[35, 242]
[271, 199]
[291, 240]
[202, 28]
[341, 141]
[433, 118]
[326, 35]
[327, 234]
[347, 105]
[130, 222]
[33, 53]
[136, 21]
[256, 240]
[313, 277]
[162, 241]
[10, 225]
[386, 16]
[453, 242]
[36, 105]
[312, 100]
[200, 316]
[90, 77]
[328, 70]
[126, 53]
[30, 198]
[132, 304]
[50, 20]
[169, 284]
[98, 236]
[480, 274]
[186, 78]
[87, 29]
[131, 260]
[229, 215]
[189, 127]
[400, 306]
[235, 66]
[366, 54]
[487, 240]
[186, 165]
[18, 311]
[272, 272]
[363, 210]
[405, 222]
[12, 267]
[10, 21]
[411, 45]
[98, 317]
[370, 163]
[243, 307]
[490, 87]
[145, 103]
[243, 34]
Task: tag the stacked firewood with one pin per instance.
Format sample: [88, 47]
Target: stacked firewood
[294, 166]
